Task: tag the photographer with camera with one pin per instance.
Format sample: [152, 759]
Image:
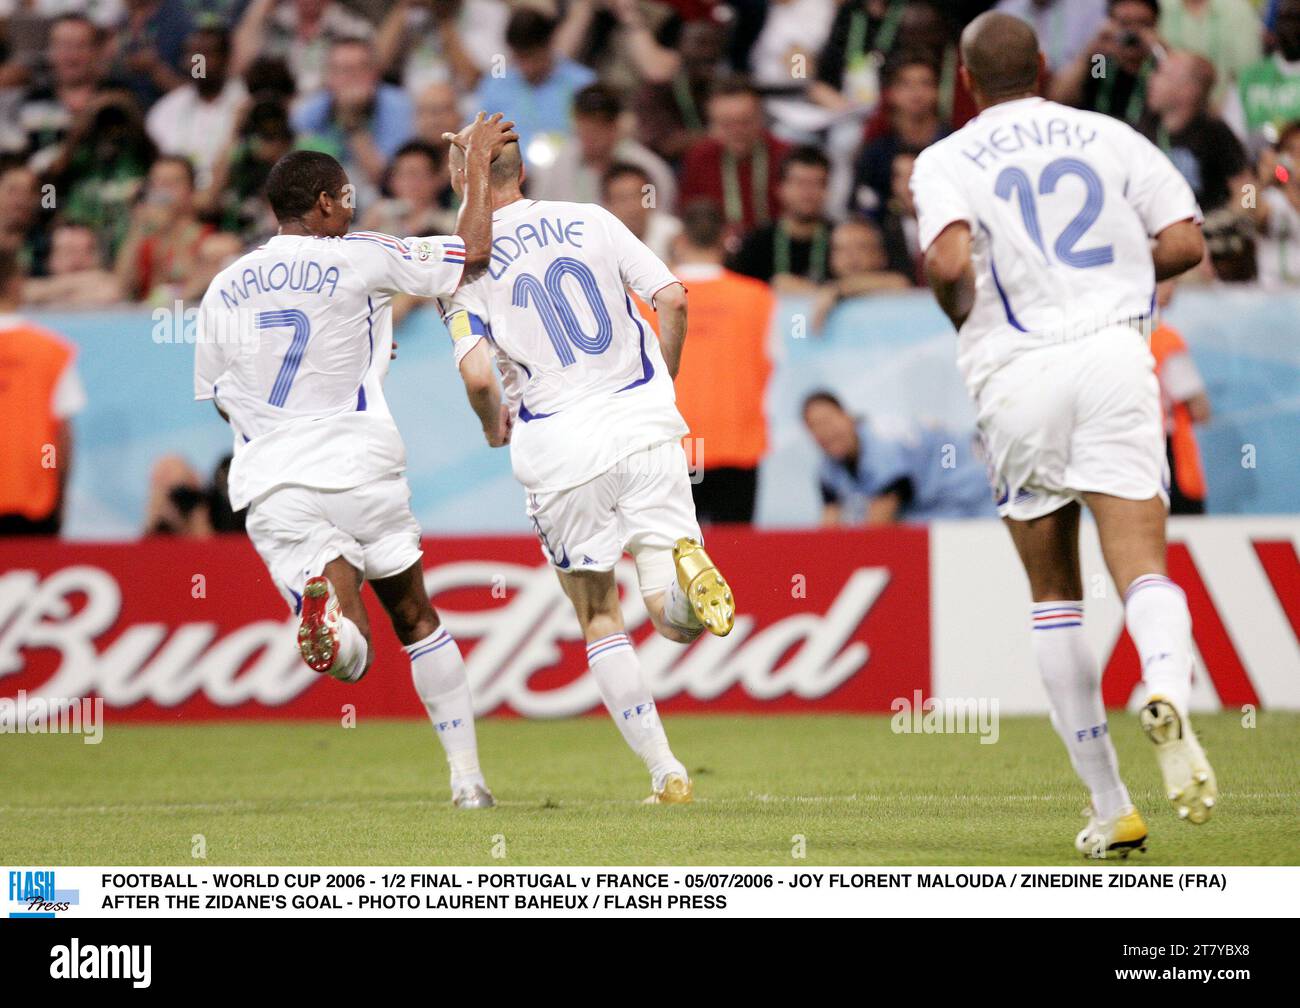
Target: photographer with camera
[1110, 74]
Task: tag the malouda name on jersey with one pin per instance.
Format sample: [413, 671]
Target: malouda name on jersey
[294, 340]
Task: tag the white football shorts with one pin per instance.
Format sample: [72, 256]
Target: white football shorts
[642, 505]
[297, 530]
[1074, 417]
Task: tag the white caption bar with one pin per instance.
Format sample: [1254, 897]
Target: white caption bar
[747, 892]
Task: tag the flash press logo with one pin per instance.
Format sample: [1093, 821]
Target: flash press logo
[35, 894]
[76, 961]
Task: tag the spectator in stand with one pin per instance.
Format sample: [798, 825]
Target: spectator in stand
[624, 41]
[599, 140]
[1277, 213]
[736, 164]
[784, 57]
[1062, 26]
[1267, 95]
[436, 113]
[1185, 403]
[862, 36]
[1127, 39]
[40, 393]
[73, 81]
[270, 76]
[670, 112]
[148, 46]
[178, 500]
[76, 277]
[1200, 144]
[1226, 32]
[628, 194]
[899, 225]
[196, 119]
[162, 248]
[300, 32]
[236, 194]
[415, 181]
[102, 164]
[22, 227]
[871, 475]
[729, 320]
[357, 119]
[912, 101]
[793, 253]
[537, 87]
[423, 42]
[859, 266]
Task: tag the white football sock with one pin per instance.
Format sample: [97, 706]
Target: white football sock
[618, 676]
[678, 611]
[351, 657]
[1155, 612]
[439, 675]
[1073, 685]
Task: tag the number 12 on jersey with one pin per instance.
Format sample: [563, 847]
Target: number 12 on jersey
[1013, 182]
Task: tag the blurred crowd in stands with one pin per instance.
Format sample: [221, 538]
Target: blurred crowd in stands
[773, 138]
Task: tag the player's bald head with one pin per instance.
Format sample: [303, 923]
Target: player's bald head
[506, 170]
[1000, 53]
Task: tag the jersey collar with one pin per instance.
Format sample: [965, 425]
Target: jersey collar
[512, 209]
[1002, 108]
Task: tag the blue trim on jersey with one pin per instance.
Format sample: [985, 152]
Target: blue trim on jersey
[528, 416]
[647, 369]
[361, 399]
[993, 268]
[392, 244]
[297, 601]
[370, 328]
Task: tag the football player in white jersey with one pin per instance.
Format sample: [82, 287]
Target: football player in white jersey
[294, 341]
[594, 432]
[1046, 229]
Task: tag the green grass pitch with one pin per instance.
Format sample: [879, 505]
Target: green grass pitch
[319, 794]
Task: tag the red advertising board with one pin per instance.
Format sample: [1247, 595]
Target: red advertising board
[193, 629]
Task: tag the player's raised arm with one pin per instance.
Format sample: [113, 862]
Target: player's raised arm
[476, 147]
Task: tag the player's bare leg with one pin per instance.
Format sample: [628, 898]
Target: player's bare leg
[613, 663]
[1049, 550]
[438, 671]
[1155, 611]
[697, 599]
[333, 629]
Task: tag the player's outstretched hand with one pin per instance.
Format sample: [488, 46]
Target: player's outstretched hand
[489, 133]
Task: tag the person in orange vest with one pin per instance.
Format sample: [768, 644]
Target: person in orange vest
[1186, 403]
[39, 394]
[728, 321]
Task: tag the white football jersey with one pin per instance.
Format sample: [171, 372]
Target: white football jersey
[1061, 205]
[294, 341]
[582, 372]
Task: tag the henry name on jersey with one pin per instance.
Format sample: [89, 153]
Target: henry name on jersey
[1012, 138]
